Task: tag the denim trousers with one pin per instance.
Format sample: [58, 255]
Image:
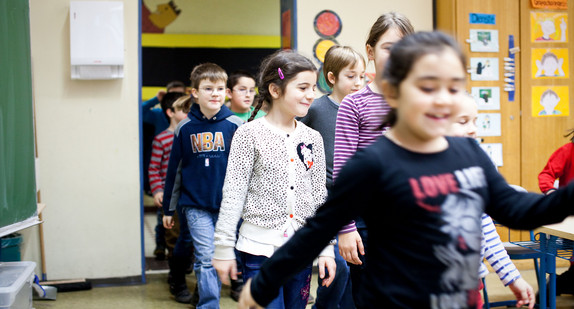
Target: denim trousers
[339, 293]
[184, 243]
[293, 295]
[159, 229]
[201, 226]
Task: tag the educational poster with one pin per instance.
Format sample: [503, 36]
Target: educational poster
[488, 124]
[550, 101]
[484, 68]
[494, 151]
[549, 63]
[482, 40]
[487, 98]
[549, 27]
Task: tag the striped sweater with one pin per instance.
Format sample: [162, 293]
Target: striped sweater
[358, 125]
[161, 148]
[493, 251]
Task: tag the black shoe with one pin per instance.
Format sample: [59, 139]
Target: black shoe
[236, 287]
[183, 296]
[195, 299]
[565, 282]
[159, 253]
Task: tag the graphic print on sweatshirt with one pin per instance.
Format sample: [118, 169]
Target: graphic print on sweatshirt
[452, 195]
[207, 142]
[305, 153]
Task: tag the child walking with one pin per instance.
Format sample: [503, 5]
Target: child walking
[196, 171]
[560, 166]
[421, 194]
[275, 179]
[359, 125]
[241, 92]
[175, 105]
[344, 70]
[492, 249]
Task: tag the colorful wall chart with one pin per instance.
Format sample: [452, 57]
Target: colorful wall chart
[550, 101]
[548, 27]
[550, 63]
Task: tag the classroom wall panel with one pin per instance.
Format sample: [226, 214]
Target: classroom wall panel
[88, 145]
[357, 18]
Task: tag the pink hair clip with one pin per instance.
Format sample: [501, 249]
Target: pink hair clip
[280, 73]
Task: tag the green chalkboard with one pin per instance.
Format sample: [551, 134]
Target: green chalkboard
[17, 173]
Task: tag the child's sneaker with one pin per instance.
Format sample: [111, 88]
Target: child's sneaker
[159, 253]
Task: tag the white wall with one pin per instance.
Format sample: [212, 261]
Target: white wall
[88, 145]
[357, 18]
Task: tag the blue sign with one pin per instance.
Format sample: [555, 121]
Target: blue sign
[486, 19]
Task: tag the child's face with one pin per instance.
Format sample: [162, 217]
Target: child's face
[426, 98]
[351, 78]
[242, 95]
[464, 124]
[209, 95]
[549, 65]
[298, 96]
[179, 115]
[381, 51]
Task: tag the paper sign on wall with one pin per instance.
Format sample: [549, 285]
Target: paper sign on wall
[484, 68]
[548, 27]
[487, 98]
[494, 151]
[549, 101]
[550, 63]
[483, 40]
[488, 124]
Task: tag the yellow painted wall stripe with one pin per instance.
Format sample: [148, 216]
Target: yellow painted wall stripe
[150, 92]
[210, 40]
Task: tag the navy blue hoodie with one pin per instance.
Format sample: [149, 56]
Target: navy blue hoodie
[198, 160]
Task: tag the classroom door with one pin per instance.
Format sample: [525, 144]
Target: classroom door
[543, 132]
[484, 29]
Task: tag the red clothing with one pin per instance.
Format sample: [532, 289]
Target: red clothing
[559, 166]
[161, 149]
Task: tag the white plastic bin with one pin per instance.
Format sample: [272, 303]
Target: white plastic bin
[16, 280]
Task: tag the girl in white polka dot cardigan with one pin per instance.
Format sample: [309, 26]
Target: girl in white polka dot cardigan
[275, 179]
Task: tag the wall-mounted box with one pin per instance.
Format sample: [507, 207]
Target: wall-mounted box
[97, 39]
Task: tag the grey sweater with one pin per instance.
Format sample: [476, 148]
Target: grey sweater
[322, 117]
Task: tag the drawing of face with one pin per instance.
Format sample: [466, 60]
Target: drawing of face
[548, 27]
[550, 65]
[549, 100]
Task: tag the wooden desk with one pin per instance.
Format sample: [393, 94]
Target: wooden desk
[549, 235]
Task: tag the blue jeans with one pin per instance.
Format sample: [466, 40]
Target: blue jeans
[184, 243]
[338, 294]
[201, 226]
[159, 230]
[357, 271]
[293, 295]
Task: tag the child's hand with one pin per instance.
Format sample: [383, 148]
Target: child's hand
[349, 243]
[329, 263]
[160, 95]
[523, 292]
[158, 199]
[246, 301]
[225, 269]
[168, 222]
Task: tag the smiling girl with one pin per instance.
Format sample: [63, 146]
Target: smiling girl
[275, 179]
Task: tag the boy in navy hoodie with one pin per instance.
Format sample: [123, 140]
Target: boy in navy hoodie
[196, 171]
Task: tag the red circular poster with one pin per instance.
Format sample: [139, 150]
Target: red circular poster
[328, 24]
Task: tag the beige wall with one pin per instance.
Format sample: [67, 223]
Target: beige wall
[252, 17]
[357, 18]
[88, 145]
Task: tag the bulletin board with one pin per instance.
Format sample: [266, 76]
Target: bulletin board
[18, 207]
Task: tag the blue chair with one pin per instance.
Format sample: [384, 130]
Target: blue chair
[517, 250]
